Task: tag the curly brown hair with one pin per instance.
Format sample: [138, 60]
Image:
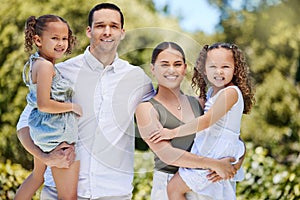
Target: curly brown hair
[36, 26]
[241, 77]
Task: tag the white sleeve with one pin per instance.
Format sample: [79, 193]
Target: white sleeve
[146, 86]
[23, 120]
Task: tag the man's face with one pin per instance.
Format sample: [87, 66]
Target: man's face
[106, 32]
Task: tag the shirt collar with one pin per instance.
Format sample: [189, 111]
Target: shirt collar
[95, 64]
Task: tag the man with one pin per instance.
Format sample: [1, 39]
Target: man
[109, 90]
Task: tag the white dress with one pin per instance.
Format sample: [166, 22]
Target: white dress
[218, 141]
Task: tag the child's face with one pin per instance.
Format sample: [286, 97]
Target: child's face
[169, 68]
[53, 42]
[219, 67]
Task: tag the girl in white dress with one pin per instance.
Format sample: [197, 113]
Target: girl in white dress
[230, 95]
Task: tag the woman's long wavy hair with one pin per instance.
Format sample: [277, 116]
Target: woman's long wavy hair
[241, 77]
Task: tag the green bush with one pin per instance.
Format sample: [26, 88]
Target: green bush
[142, 182]
[11, 177]
[265, 178]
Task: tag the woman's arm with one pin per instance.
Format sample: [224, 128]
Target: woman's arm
[226, 99]
[43, 73]
[147, 121]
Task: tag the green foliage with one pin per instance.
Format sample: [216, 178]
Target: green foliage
[11, 177]
[265, 178]
[142, 182]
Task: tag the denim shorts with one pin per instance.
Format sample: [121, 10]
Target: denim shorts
[49, 130]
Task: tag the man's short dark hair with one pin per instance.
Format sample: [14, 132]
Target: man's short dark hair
[104, 6]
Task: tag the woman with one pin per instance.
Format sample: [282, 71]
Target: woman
[170, 108]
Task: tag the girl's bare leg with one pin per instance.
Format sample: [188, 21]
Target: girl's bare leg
[33, 182]
[66, 180]
[177, 188]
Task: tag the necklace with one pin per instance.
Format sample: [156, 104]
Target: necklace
[179, 107]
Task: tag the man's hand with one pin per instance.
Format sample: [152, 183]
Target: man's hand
[61, 157]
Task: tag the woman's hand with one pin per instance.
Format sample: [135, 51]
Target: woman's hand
[213, 176]
[224, 169]
[163, 134]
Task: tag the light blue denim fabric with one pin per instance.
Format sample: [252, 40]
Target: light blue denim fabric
[49, 130]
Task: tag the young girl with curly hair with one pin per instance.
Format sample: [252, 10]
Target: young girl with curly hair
[223, 68]
[53, 120]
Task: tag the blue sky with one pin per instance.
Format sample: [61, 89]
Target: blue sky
[197, 14]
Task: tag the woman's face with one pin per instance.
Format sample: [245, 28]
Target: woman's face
[169, 68]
